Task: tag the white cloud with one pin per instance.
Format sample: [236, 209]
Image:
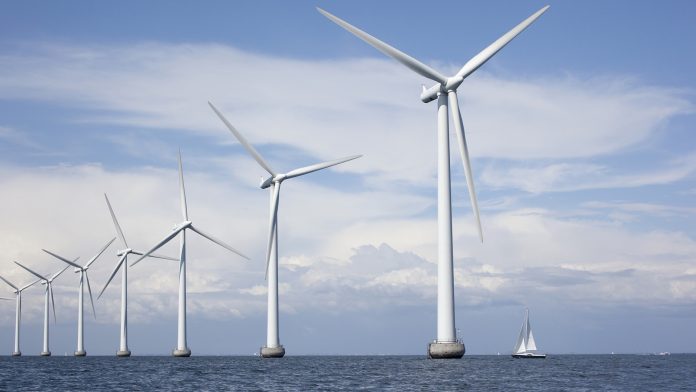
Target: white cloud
[312, 104]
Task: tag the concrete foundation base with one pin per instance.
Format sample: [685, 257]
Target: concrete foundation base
[124, 353]
[182, 353]
[80, 353]
[45, 353]
[441, 350]
[16, 354]
[273, 352]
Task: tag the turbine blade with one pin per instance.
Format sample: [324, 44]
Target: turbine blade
[89, 289]
[30, 271]
[7, 299]
[60, 272]
[461, 139]
[250, 149]
[275, 200]
[118, 265]
[475, 62]
[159, 245]
[30, 284]
[100, 253]
[116, 225]
[8, 282]
[390, 51]
[62, 259]
[312, 168]
[182, 191]
[217, 241]
[154, 256]
[53, 301]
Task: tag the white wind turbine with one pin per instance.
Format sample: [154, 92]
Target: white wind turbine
[182, 349]
[273, 348]
[80, 352]
[123, 350]
[49, 291]
[446, 345]
[18, 314]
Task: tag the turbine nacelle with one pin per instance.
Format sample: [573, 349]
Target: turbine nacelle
[184, 225]
[277, 179]
[430, 94]
[124, 252]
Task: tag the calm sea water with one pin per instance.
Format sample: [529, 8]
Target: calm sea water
[349, 373]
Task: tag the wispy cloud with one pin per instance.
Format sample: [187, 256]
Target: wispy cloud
[312, 104]
[569, 177]
[13, 136]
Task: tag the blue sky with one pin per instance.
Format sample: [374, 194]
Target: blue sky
[580, 131]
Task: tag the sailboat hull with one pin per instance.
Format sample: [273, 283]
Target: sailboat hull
[529, 355]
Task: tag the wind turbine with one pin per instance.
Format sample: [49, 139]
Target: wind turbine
[182, 349]
[123, 350]
[82, 269]
[18, 315]
[446, 345]
[273, 348]
[49, 290]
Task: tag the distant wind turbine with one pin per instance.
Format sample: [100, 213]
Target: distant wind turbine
[123, 350]
[446, 345]
[49, 290]
[273, 348]
[82, 269]
[18, 315]
[182, 349]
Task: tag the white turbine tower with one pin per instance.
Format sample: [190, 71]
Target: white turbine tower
[182, 349]
[273, 348]
[445, 91]
[80, 351]
[123, 350]
[18, 316]
[49, 291]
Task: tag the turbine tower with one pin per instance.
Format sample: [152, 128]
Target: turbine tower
[182, 349]
[18, 315]
[46, 352]
[447, 344]
[82, 269]
[123, 350]
[273, 348]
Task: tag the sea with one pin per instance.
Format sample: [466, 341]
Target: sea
[676, 372]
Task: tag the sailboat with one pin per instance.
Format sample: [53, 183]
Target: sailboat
[526, 346]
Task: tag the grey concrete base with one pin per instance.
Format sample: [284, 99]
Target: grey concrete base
[125, 353]
[273, 352]
[182, 353]
[443, 350]
[17, 354]
[80, 353]
[45, 353]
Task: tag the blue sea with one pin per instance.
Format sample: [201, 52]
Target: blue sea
[350, 373]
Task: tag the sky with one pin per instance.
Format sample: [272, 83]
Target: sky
[581, 133]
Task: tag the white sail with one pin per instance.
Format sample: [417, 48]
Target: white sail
[529, 339]
[520, 346]
[531, 344]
